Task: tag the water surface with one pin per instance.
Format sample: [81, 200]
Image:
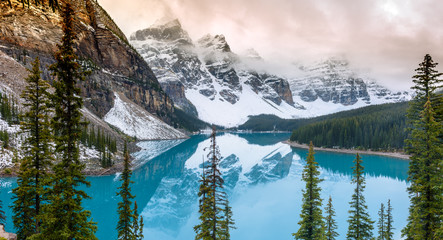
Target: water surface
[263, 180]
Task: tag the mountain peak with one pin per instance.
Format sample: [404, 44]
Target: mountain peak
[217, 42]
[166, 22]
[163, 29]
[251, 53]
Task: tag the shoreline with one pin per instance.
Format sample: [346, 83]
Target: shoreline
[398, 155]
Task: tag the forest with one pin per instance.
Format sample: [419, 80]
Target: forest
[380, 127]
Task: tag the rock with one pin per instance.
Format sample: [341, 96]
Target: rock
[6, 235]
[333, 81]
[101, 46]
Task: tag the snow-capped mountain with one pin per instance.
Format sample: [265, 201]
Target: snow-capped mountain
[205, 78]
[333, 84]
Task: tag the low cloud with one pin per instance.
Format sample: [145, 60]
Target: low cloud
[386, 37]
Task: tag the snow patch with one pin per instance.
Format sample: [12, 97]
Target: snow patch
[134, 121]
[223, 113]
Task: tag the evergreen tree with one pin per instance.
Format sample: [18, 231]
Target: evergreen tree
[33, 174]
[203, 229]
[360, 224]
[125, 226]
[137, 224]
[381, 223]
[425, 171]
[140, 232]
[425, 144]
[64, 216]
[311, 224]
[331, 224]
[2, 214]
[427, 81]
[389, 221]
[212, 202]
[228, 222]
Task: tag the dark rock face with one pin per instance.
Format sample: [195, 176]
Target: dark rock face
[281, 87]
[337, 91]
[102, 48]
[331, 81]
[176, 91]
[276, 89]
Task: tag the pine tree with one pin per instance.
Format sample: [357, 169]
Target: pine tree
[389, 221]
[33, 174]
[425, 171]
[212, 198]
[2, 214]
[425, 144]
[64, 216]
[125, 226]
[360, 224]
[381, 223]
[331, 224]
[311, 224]
[203, 229]
[140, 232]
[137, 224]
[228, 222]
[427, 82]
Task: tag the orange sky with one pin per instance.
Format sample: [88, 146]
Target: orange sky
[386, 37]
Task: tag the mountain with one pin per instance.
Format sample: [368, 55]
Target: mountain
[116, 68]
[120, 84]
[331, 85]
[206, 79]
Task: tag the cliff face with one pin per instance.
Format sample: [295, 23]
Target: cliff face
[101, 46]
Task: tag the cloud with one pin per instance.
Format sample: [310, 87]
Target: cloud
[387, 37]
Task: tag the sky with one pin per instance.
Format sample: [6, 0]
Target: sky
[386, 39]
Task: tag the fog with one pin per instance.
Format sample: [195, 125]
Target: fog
[387, 38]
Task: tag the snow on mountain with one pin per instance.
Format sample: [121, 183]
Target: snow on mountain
[330, 86]
[135, 121]
[206, 79]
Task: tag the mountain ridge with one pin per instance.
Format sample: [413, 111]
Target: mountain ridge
[204, 77]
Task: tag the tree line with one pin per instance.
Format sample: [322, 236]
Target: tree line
[380, 128]
[9, 109]
[103, 142]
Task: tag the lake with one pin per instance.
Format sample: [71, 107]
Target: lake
[263, 180]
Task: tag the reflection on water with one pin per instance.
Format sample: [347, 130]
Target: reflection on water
[262, 177]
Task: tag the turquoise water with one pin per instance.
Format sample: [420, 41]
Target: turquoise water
[262, 179]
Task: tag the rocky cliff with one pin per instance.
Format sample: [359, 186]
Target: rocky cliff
[101, 46]
[207, 79]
